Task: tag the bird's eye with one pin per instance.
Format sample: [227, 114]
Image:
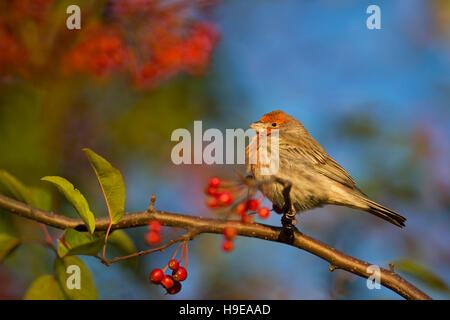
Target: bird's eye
[274, 124]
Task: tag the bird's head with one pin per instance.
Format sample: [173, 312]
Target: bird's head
[275, 120]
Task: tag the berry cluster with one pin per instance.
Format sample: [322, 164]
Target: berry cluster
[218, 197]
[153, 235]
[172, 282]
[222, 195]
[251, 206]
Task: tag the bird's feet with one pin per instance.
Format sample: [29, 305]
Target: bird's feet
[287, 231]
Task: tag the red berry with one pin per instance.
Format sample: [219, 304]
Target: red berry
[174, 264]
[253, 204]
[175, 288]
[180, 274]
[214, 182]
[241, 208]
[230, 233]
[167, 282]
[264, 212]
[225, 198]
[153, 238]
[156, 276]
[212, 202]
[154, 225]
[227, 245]
[245, 218]
[211, 191]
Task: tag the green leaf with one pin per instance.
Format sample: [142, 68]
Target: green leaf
[62, 248]
[7, 245]
[76, 243]
[122, 242]
[16, 187]
[422, 274]
[88, 249]
[75, 197]
[111, 183]
[75, 239]
[66, 271]
[36, 197]
[45, 288]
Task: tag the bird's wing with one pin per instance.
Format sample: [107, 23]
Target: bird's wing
[307, 149]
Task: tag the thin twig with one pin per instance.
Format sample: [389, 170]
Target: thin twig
[151, 207]
[48, 238]
[187, 236]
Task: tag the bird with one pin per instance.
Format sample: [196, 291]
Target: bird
[316, 178]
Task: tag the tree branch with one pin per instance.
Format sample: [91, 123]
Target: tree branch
[197, 225]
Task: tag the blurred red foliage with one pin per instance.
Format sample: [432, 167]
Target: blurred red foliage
[12, 54]
[172, 55]
[99, 54]
[31, 9]
[148, 40]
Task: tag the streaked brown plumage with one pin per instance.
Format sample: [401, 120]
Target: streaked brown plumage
[317, 179]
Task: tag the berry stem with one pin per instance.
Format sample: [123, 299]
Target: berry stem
[182, 252]
[173, 256]
[187, 255]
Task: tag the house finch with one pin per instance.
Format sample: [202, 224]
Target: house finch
[316, 178]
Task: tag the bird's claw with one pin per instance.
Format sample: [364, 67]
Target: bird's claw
[287, 231]
[286, 235]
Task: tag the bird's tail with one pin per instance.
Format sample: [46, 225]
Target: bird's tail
[385, 213]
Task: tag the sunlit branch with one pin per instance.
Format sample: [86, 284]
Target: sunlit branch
[197, 225]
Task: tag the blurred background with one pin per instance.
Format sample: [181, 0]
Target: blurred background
[377, 100]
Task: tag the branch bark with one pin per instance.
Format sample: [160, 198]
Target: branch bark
[198, 225]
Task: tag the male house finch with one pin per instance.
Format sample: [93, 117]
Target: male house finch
[316, 178]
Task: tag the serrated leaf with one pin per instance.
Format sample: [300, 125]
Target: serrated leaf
[70, 270]
[7, 245]
[422, 274]
[45, 288]
[77, 243]
[122, 242]
[75, 197]
[111, 183]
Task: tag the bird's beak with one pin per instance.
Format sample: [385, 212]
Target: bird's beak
[258, 126]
